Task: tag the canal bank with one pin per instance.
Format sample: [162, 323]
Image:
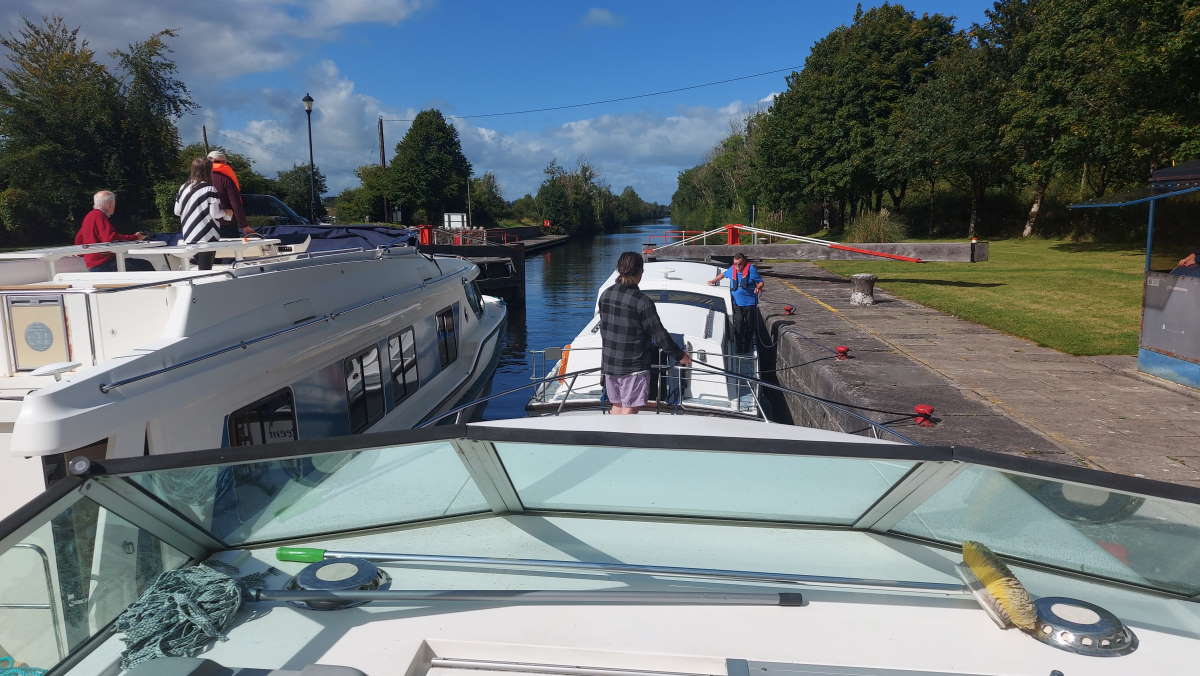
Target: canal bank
[990, 390]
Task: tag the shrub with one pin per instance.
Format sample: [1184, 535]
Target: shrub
[875, 226]
[164, 201]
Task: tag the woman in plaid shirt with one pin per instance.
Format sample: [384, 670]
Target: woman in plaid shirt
[629, 330]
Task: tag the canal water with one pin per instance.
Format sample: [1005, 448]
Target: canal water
[560, 298]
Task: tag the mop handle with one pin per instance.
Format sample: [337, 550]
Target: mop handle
[313, 555]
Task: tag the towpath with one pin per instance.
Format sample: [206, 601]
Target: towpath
[1095, 411]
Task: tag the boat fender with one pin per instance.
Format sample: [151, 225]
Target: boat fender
[562, 362]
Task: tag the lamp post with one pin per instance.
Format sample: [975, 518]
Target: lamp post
[312, 172]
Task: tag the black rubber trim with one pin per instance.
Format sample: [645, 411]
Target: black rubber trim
[825, 449]
[285, 449]
[1076, 474]
[43, 501]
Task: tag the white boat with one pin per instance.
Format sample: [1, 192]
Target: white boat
[275, 346]
[698, 316]
[596, 545]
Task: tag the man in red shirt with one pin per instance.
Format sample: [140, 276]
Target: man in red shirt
[96, 228]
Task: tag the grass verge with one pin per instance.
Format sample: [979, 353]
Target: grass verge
[1078, 298]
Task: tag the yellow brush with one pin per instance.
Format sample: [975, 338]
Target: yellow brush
[1003, 592]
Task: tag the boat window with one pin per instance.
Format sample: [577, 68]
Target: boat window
[1148, 541]
[473, 299]
[447, 337]
[69, 578]
[268, 420]
[322, 493]
[364, 389]
[714, 303]
[402, 353]
[723, 485]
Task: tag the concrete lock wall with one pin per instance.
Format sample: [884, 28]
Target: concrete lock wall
[819, 378]
[949, 252]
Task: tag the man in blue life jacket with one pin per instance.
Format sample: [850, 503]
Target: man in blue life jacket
[744, 286]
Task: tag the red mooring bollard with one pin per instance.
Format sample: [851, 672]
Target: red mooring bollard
[789, 310]
[843, 352]
[924, 416]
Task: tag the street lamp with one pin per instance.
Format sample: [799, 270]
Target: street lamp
[312, 172]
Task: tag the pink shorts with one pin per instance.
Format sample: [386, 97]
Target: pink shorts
[628, 391]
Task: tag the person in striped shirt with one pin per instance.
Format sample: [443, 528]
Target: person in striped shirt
[199, 210]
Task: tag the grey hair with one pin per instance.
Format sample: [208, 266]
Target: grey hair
[216, 156]
[103, 199]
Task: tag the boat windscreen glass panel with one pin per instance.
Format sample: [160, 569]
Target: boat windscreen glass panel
[85, 550]
[1086, 529]
[700, 300]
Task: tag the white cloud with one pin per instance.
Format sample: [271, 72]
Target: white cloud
[236, 37]
[600, 17]
[217, 40]
[769, 98]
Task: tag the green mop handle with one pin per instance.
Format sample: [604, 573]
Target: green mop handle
[300, 554]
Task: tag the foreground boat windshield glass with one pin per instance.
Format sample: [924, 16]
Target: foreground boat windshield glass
[77, 556]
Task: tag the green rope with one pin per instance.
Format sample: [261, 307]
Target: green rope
[179, 615]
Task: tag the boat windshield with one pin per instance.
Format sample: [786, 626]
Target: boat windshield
[155, 513]
[700, 300]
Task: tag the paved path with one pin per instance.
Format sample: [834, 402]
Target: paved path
[1098, 409]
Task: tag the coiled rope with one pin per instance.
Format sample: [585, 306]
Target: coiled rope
[179, 615]
[8, 667]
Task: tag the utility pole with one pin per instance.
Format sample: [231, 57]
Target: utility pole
[204, 132]
[468, 202]
[387, 216]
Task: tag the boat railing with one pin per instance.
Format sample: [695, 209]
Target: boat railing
[462, 411]
[739, 363]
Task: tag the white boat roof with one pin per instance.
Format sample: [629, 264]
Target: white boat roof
[876, 527]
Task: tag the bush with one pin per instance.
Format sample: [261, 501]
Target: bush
[164, 201]
[875, 226]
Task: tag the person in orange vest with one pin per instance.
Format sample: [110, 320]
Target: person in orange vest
[229, 192]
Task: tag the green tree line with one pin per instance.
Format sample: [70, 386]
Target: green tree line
[429, 176]
[988, 129]
[70, 126]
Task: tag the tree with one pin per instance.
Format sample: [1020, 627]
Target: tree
[429, 170]
[525, 208]
[487, 204]
[59, 112]
[953, 122]
[152, 99]
[295, 189]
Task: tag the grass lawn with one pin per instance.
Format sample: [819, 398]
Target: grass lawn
[1078, 298]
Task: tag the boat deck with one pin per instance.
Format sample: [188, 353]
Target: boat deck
[836, 627]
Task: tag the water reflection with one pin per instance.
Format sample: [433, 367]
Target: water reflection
[560, 297]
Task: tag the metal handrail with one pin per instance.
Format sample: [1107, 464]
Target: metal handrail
[164, 282]
[875, 426]
[243, 344]
[303, 255]
[50, 604]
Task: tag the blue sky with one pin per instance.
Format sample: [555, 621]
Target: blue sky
[249, 63]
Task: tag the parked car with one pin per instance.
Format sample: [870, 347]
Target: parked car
[270, 210]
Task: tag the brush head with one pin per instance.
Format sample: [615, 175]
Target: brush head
[1003, 592]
